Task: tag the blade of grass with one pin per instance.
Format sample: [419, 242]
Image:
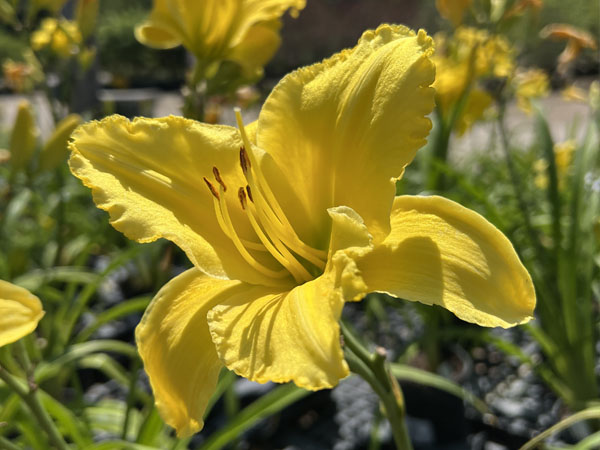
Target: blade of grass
[407, 373]
[118, 311]
[589, 413]
[267, 405]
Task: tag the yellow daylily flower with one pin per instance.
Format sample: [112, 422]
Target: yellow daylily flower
[20, 312]
[528, 85]
[62, 36]
[563, 157]
[243, 31]
[288, 218]
[461, 61]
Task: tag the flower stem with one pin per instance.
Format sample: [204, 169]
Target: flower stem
[374, 369]
[32, 400]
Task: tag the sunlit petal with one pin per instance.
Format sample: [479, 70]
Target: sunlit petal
[291, 336]
[444, 254]
[148, 174]
[175, 345]
[340, 130]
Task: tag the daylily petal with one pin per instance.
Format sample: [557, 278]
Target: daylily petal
[210, 29]
[340, 130]
[148, 174]
[257, 48]
[175, 345]
[20, 312]
[152, 35]
[281, 337]
[441, 253]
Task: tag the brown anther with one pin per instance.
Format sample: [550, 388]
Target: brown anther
[242, 197]
[219, 179]
[244, 160]
[249, 193]
[211, 188]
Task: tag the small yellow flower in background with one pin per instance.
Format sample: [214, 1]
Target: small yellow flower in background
[244, 31]
[529, 85]
[289, 217]
[563, 157]
[577, 40]
[461, 60]
[452, 10]
[20, 312]
[573, 93]
[16, 74]
[23, 137]
[61, 36]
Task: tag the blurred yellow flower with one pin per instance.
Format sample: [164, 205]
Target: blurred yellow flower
[573, 93]
[16, 75]
[62, 36]
[20, 312]
[452, 10]
[563, 157]
[528, 85]
[577, 39]
[288, 218]
[467, 56]
[243, 31]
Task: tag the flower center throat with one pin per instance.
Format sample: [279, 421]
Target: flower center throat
[275, 234]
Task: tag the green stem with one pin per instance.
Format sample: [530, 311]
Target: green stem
[32, 400]
[374, 369]
[193, 107]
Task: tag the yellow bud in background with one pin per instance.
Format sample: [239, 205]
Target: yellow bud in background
[55, 150]
[86, 16]
[23, 137]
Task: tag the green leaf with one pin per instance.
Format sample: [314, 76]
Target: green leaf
[116, 312]
[414, 375]
[589, 413]
[118, 445]
[67, 421]
[46, 370]
[267, 405]
[34, 279]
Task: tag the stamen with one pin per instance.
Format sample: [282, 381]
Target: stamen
[279, 252]
[240, 246]
[244, 161]
[219, 179]
[216, 198]
[242, 197]
[270, 213]
[211, 188]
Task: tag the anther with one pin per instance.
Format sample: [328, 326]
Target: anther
[244, 160]
[249, 193]
[211, 188]
[242, 197]
[219, 179]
